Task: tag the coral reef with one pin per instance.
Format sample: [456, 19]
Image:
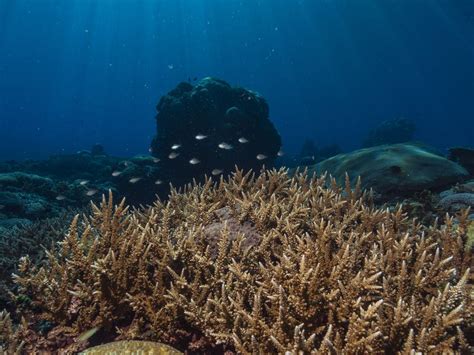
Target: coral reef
[467, 186]
[8, 345]
[464, 157]
[75, 166]
[298, 264]
[98, 149]
[394, 170]
[457, 201]
[29, 240]
[24, 198]
[399, 130]
[217, 114]
[422, 205]
[34, 190]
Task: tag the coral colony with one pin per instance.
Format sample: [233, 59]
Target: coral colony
[219, 243]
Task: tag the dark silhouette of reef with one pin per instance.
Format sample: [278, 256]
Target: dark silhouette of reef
[223, 114]
[463, 156]
[311, 154]
[399, 130]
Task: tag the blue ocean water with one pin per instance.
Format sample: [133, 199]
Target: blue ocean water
[77, 72]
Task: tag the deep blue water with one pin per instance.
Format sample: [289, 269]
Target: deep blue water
[77, 72]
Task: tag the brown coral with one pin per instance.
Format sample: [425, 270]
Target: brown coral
[322, 271]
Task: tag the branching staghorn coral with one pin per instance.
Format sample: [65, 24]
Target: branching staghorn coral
[260, 264]
[6, 331]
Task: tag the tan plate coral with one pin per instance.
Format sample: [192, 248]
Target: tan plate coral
[131, 347]
[256, 264]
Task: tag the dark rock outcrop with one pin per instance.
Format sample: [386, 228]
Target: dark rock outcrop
[222, 114]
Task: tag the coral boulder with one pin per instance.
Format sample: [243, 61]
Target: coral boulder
[204, 122]
[394, 170]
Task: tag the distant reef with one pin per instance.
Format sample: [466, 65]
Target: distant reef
[35, 190]
[399, 130]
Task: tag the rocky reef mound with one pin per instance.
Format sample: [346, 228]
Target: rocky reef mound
[217, 125]
[394, 170]
[298, 265]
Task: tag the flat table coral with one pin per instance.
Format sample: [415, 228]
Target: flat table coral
[131, 348]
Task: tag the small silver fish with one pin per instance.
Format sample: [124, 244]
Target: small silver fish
[175, 146]
[150, 150]
[126, 163]
[91, 192]
[173, 155]
[231, 110]
[225, 146]
[60, 197]
[84, 182]
[243, 140]
[116, 173]
[158, 182]
[216, 172]
[194, 161]
[156, 160]
[200, 137]
[261, 156]
[281, 153]
[87, 334]
[134, 180]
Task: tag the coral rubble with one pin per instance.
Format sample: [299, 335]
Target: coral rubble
[256, 264]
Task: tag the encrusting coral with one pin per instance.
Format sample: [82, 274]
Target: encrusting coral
[256, 264]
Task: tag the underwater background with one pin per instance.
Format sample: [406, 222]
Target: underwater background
[74, 73]
[236, 176]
